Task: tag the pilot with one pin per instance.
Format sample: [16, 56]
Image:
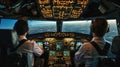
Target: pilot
[30, 46]
[87, 53]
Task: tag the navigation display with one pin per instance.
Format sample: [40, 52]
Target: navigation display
[66, 53]
[78, 44]
[52, 53]
[40, 44]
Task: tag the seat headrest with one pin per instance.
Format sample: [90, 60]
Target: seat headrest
[8, 38]
[116, 45]
[116, 40]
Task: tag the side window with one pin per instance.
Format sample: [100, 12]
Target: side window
[112, 30]
[7, 23]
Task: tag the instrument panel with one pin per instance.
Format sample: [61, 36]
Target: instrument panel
[59, 50]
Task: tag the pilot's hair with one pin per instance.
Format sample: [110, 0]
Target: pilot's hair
[99, 26]
[21, 27]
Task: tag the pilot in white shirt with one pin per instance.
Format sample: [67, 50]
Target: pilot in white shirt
[30, 46]
[87, 52]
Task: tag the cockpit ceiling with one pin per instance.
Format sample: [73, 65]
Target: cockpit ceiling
[59, 9]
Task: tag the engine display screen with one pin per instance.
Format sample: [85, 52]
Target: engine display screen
[59, 46]
[40, 44]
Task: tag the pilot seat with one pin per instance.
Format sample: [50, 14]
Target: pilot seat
[8, 41]
[8, 53]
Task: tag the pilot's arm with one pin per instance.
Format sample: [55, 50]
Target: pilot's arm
[37, 50]
[79, 55]
[84, 53]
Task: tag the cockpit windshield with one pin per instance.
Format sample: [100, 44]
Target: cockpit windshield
[84, 27]
[39, 26]
[77, 26]
[35, 26]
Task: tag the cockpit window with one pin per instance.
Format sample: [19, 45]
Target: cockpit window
[37, 26]
[77, 26]
[112, 30]
[84, 27]
[7, 23]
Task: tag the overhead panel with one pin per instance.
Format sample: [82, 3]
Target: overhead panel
[62, 9]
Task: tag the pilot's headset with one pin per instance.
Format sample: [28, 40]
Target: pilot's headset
[93, 28]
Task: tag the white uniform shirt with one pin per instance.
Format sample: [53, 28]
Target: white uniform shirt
[88, 54]
[31, 47]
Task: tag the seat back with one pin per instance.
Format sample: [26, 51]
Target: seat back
[116, 45]
[25, 58]
[8, 57]
[115, 49]
[8, 41]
